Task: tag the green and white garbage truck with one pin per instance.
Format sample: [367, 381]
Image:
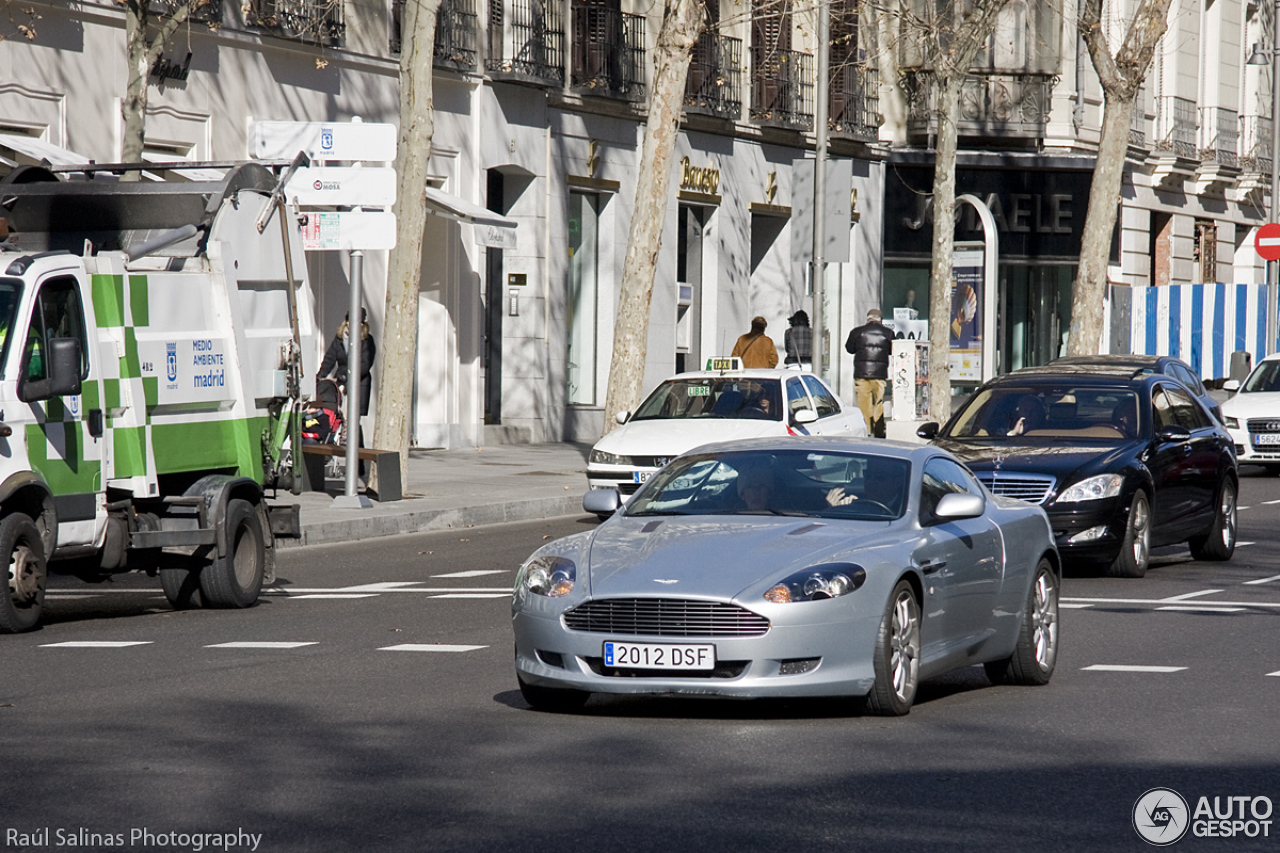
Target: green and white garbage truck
[156, 339]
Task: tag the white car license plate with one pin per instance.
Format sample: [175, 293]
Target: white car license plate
[651, 656]
[1267, 438]
[641, 476]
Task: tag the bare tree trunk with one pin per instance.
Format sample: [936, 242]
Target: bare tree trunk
[140, 57]
[1099, 224]
[399, 345]
[944, 227]
[1121, 77]
[682, 22]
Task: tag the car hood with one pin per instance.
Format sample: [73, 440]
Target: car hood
[1067, 462]
[1257, 404]
[720, 556]
[673, 436]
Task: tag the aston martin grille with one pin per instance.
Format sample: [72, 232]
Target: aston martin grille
[1032, 488]
[665, 617]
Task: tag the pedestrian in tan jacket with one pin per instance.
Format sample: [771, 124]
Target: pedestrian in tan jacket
[756, 349]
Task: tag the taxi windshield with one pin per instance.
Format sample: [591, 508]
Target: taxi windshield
[10, 296]
[713, 397]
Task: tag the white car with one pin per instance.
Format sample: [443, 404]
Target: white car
[1252, 416]
[692, 409]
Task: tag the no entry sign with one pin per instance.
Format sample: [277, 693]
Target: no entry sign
[1268, 242]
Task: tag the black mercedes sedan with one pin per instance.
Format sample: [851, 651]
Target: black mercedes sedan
[1121, 459]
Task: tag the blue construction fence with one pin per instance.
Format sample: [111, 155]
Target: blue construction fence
[1202, 324]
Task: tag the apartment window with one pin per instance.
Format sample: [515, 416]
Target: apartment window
[584, 290]
[1205, 251]
[309, 21]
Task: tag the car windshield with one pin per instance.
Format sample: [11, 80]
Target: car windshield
[821, 484]
[1266, 377]
[713, 397]
[10, 296]
[1050, 412]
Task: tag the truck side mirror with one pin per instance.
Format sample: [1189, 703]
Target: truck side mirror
[64, 373]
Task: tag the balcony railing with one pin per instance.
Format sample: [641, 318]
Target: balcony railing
[1219, 136]
[782, 88]
[714, 85]
[991, 105]
[456, 35]
[1176, 126]
[1138, 120]
[1255, 144]
[208, 12]
[608, 52]
[526, 41]
[855, 102]
[310, 21]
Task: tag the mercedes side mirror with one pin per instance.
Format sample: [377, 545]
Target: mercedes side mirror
[928, 431]
[1173, 433]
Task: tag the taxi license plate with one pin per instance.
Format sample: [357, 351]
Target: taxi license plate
[651, 656]
[641, 476]
[1267, 438]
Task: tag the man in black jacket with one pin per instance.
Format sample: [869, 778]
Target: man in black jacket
[871, 344]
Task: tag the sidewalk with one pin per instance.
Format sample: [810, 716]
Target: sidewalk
[449, 489]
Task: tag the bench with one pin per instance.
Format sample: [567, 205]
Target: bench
[387, 462]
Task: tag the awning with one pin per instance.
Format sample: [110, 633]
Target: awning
[492, 229]
[39, 150]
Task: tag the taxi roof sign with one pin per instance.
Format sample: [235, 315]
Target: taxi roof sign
[724, 364]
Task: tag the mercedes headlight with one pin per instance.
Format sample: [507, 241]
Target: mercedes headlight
[1093, 489]
[600, 457]
[815, 583]
[553, 577]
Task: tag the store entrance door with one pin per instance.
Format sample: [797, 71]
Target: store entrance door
[1035, 314]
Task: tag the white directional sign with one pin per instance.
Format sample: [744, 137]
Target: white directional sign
[346, 186]
[282, 140]
[365, 230]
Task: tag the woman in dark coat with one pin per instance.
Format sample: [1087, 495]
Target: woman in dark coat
[335, 364]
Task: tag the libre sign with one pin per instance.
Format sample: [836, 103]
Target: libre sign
[1267, 242]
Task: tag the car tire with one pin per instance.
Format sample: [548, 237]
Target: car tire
[180, 580]
[234, 579]
[1220, 542]
[1135, 550]
[897, 656]
[552, 698]
[26, 574]
[1036, 654]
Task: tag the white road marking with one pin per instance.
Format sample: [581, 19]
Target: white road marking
[245, 644]
[1273, 673]
[474, 595]
[96, 644]
[1262, 580]
[1188, 595]
[296, 592]
[1264, 604]
[384, 586]
[429, 647]
[475, 573]
[1116, 667]
[1205, 609]
[1073, 606]
[337, 595]
[68, 596]
[1269, 503]
[1243, 544]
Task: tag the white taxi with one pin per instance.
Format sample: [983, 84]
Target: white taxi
[723, 403]
[1252, 416]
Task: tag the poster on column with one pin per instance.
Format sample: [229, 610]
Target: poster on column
[966, 315]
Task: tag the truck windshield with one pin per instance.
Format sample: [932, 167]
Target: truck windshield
[10, 296]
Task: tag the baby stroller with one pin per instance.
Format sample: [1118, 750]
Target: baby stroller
[322, 421]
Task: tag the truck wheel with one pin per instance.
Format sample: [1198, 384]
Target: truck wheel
[234, 579]
[25, 575]
[181, 583]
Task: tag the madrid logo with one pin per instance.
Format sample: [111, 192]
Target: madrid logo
[1160, 816]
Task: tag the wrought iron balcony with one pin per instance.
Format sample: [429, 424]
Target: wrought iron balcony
[1219, 136]
[991, 105]
[714, 86]
[608, 52]
[1138, 120]
[1176, 127]
[854, 108]
[208, 12]
[782, 88]
[526, 41]
[455, 40]
[1255, 144]
[309, 21]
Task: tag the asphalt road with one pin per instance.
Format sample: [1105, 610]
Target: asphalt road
[389, 720]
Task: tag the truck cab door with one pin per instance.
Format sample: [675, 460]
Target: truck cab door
[63, 433]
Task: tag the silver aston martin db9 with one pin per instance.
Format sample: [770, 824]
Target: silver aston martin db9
[817, 566]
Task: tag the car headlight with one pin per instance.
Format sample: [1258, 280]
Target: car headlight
[1093, 489]
[830, 580]
[600, 457]
[1230, 422]
[553, 577]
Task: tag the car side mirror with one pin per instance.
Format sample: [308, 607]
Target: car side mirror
[804, 416]
[1173, 433]
[1231, 385]
[63, 380]
[955, 506]
[621, 417]
[928, 431]
[601, 501]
